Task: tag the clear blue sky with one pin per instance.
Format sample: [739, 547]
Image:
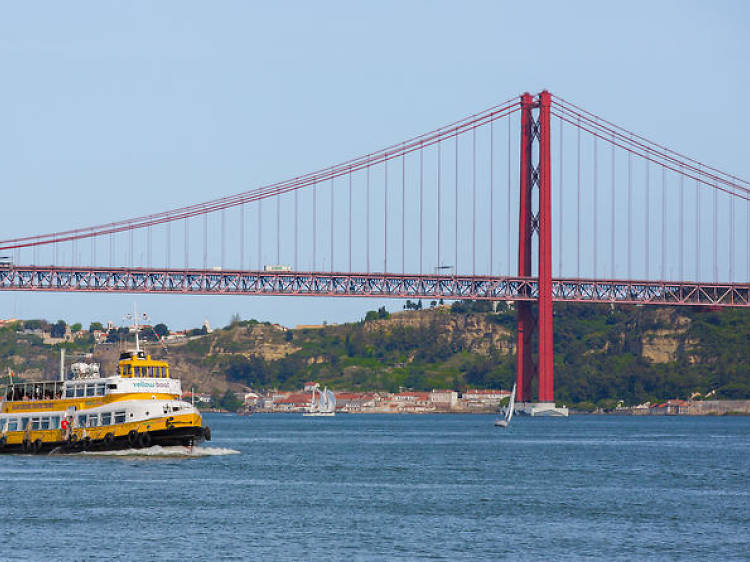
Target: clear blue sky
[114, 109]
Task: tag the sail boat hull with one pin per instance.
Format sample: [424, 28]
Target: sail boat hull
[318, 414]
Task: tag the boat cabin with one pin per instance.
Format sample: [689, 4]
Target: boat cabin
[136, 364]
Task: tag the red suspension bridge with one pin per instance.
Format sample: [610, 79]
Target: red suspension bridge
[456, 213]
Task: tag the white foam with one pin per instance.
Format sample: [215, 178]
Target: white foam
[159, 451]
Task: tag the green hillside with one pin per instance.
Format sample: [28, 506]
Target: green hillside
[602, 353]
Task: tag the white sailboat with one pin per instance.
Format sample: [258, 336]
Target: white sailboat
[323, 403]
[508, 410]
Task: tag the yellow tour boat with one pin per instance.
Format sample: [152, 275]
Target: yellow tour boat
[139, 407]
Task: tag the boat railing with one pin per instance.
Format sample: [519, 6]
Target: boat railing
[23, 391]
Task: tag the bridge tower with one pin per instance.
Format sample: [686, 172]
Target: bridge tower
[535, 218]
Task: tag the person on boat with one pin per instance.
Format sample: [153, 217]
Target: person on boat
[65, 426]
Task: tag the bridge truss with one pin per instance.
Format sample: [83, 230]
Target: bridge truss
[384, 285]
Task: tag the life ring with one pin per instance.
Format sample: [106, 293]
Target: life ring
[109, 438]
[132, 437]
[86, 443]
[207, 433]
[144, 440]
[37, 445]
[72, 438]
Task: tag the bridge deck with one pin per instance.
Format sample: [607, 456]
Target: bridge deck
[387, 285]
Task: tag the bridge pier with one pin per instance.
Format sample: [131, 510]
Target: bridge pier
[535, 176]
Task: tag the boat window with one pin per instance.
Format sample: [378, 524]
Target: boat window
[100, 388]
[120, 416]
[69, 392]
[35, 423]
[24, 424]
[12, 424]
[106, 418]
[82, 420]
[90, 390]
[80, 390]
[55, 422]
[45, 423]
[93, 420]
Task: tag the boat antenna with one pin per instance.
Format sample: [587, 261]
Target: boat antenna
[134, 317]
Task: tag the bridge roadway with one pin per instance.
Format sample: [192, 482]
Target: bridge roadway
[389, 285]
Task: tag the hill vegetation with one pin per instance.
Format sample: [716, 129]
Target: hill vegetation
[602, 353]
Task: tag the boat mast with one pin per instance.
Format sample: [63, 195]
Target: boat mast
[136, 327]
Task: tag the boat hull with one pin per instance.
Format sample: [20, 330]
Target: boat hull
[185, 436]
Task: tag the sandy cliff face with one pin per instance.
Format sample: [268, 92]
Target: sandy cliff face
[662, 344]
[474, 333]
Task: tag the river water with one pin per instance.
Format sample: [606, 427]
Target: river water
[371, 487]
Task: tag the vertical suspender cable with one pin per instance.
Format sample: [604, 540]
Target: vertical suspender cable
[403, 213]
[507, 220]
[663, 221]
[697, 228]
[223, 236]
[385, 214]
[260, 234]
[646, 240]
[612, 216]
[242, 237]
[421, 201]
[455, 189]
[314, 224]
[367, 213]
[474, 201]
[578, 206]
[716, 235]
[278, 229]
[350, 219]
[731, 238]
[148, 246]
[439, 190]
[296, 205]
[169, 243]
[492, 195]
[332, 221]
[130, 233]
[630, 213]
[596, 203]
[681, 240]
[560, 203]
[187, 243]
[205, 240]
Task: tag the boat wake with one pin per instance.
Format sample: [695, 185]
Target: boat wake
[159, 451]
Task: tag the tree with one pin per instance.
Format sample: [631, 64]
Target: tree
[161, 330]
[77, 327]
[58, 329]
[95, 326]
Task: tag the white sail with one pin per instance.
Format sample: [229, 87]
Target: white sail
[313, 402]
[331, 398]
[511, 405]
[323, 401]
